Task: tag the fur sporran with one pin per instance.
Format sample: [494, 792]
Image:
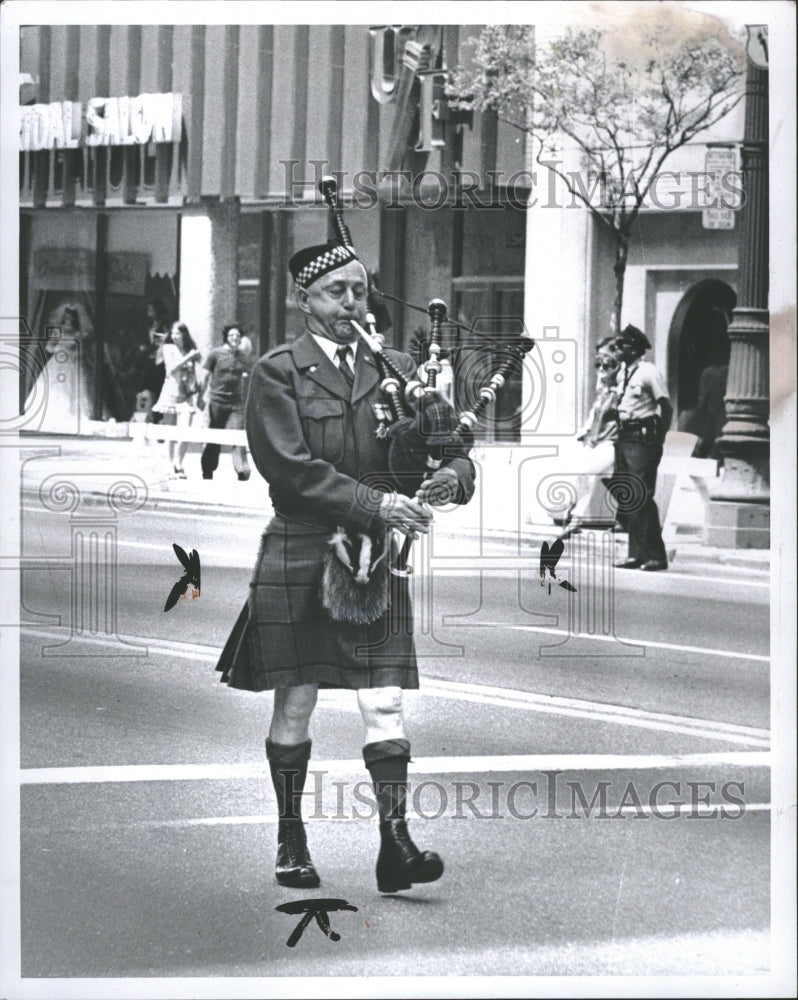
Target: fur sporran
[354, 582]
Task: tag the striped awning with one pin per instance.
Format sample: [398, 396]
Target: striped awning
[266, 110]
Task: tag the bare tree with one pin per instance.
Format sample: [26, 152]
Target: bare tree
[625, 100]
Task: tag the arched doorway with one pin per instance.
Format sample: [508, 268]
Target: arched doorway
[698, 339]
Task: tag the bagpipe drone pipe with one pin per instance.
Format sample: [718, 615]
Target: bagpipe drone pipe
[424, 432]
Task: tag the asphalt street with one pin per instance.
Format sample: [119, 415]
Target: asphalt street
[594, 769]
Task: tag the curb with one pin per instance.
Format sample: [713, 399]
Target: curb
[685, 554]
[157, 497]
[682, 553]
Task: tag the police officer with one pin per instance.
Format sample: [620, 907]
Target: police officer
[644, 416]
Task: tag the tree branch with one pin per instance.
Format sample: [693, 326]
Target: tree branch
[573, 190]
[576, 93]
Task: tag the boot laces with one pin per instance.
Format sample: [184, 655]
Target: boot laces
[294, 843]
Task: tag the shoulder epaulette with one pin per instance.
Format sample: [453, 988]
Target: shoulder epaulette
[275, 351]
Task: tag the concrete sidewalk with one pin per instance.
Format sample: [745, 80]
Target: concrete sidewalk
[95, 464]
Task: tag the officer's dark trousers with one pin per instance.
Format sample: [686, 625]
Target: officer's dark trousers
[640, 458]
[232, 418]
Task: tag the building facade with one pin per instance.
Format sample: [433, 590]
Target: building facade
[177, 167]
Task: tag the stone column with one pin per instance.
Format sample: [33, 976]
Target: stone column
[208, 270]
[557, 250]
[738, 515]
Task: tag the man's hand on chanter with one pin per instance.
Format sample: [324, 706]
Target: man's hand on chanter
[405, 515]
[441, 488]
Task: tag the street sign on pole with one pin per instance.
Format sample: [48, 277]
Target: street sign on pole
[720, 168]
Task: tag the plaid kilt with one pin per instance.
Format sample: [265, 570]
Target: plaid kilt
[284, 636]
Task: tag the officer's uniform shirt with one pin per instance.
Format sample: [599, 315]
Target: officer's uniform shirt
[642, 386]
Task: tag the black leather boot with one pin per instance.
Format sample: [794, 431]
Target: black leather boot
[400, 863]
[294, 867]
[289, 768]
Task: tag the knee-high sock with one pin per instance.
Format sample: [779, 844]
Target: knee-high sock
[289, 768]
[387, 762]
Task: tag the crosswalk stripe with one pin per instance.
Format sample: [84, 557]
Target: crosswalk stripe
[664, 811]
[420, 765]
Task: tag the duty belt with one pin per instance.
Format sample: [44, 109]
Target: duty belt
[640, 425]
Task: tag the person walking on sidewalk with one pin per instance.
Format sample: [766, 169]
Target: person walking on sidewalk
[228, 369]
[644, 416]
[595, 455]
[179, 396]
[314, 411]
[148, 362]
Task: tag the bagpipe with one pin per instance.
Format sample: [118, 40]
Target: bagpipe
[424, 432]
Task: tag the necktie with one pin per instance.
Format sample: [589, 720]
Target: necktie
[627, 374]
[342, 353]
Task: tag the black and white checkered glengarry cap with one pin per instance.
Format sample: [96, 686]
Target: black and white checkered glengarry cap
[308, 265]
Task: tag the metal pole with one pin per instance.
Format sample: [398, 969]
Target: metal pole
[738, 515]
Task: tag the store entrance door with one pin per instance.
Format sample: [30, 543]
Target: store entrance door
[699, 340]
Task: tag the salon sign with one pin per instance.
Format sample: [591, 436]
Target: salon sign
[105, 121]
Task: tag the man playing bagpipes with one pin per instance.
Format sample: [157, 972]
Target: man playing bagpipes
[317, 428]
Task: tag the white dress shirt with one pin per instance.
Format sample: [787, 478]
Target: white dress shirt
[330, 347]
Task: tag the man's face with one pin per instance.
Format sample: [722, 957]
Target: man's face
[233, 339]
[626, 350]
[333, 300]
[607, 365]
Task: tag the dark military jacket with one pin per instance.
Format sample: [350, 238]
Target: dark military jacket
[319, 444]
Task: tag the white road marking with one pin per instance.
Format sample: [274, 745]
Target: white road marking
[209, 556]
[675, 647]
[422, 765]
[190, 515]
[177, 648]
[508, 698]
[465, 566]
[664, 811]
[597, 711]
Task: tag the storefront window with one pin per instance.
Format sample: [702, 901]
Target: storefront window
[59, 340]
[100, 287]
[141, 301]
[250, 272]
